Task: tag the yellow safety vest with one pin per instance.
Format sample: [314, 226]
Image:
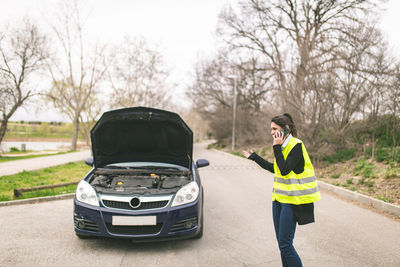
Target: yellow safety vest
[295, 188]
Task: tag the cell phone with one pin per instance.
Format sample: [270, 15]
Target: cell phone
[285, 131]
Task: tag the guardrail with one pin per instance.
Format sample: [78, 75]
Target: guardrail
[19, 192]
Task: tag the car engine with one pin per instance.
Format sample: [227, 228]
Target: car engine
[139, 181]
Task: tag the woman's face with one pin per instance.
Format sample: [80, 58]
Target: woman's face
[275, 128]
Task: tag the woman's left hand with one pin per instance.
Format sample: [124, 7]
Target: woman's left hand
[278, 138]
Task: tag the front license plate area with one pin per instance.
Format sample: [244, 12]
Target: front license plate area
[134, 220]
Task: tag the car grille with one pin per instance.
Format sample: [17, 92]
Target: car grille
[126, 206]
[85, 224]
[134, 230]
[184, 224]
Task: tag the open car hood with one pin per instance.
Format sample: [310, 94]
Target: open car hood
[141, 134]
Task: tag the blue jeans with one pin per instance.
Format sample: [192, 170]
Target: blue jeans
[285, 227]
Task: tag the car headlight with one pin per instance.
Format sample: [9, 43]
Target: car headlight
[85, 193]
[186, 194]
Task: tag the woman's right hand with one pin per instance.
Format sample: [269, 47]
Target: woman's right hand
[246, 154]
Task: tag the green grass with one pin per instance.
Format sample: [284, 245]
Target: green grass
[237, 153]
[392, 172]
[14, 150]
[216, 145]
[364, 168]
[388, 200]
[70, 172]
[10, 158]
[42, 130]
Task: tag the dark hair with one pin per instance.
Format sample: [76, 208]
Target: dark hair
[285, 119]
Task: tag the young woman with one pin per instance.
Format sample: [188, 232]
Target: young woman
[295, 187]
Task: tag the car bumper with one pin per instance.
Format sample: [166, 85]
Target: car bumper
[171, 223]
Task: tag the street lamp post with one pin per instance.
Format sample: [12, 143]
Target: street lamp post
[234, 78]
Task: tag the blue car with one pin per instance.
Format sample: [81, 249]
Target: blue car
[144, 184]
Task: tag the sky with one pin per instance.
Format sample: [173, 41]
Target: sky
[183, 30]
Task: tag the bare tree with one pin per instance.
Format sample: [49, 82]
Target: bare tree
[138, 75]
[78, 71]
[393, 107]
[23, 52]
[90, 115]
[297, 39]
[212, 96]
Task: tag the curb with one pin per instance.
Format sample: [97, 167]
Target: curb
[362, 199]
[36, 200]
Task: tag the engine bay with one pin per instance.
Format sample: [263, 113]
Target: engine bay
[139, 181]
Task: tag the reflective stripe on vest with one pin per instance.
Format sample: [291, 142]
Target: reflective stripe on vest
[296, 193]
[295, 181]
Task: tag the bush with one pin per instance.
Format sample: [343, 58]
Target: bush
[382, 155]
[14, 149]
[342, 155]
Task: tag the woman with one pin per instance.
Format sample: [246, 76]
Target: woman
[295, 187]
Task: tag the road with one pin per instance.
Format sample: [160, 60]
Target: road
[15, 166]
[238, 230]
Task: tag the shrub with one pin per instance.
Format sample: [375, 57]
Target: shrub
[342, 155]
[14, 149]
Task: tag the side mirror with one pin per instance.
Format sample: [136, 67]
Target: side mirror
[202, 163]
[89, 161]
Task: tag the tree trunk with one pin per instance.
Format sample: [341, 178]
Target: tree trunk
[3, 128]
[75, 133]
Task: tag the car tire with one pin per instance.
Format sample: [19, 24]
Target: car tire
[200, 233]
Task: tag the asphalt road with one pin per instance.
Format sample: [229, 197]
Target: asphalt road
[15, 166]
[238, 230]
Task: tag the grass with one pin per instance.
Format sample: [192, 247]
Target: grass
[42, 130]
[364, 168]
[70, 172]
[11, 158]
[216, 145]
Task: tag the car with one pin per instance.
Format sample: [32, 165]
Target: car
[144, 184]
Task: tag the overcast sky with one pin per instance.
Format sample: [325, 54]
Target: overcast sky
[182, 29]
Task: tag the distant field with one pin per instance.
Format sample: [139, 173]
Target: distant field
[39, 130]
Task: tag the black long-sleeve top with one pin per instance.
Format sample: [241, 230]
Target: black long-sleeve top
[294, 161]
[304, 213]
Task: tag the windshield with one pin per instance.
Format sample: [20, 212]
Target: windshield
[147, 165]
